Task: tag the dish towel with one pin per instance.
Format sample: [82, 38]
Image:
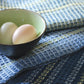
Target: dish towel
[52, 57]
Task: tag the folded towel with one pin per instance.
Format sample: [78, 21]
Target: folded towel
[58, 14]
[69, 70]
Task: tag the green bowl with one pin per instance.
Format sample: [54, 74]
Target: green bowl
[20, 17]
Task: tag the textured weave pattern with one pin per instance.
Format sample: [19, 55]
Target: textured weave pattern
[59, 14]
[62, 72]
[44, 51]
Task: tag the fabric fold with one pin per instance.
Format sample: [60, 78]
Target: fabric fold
[52, 46]
[70, 67]
[58, 14]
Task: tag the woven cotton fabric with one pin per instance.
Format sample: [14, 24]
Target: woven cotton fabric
[58, 14]
[54, 45]
[69, 70]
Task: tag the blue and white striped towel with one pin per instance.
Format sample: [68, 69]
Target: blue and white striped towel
[58, 14]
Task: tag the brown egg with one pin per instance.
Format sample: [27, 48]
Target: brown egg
[23, 34]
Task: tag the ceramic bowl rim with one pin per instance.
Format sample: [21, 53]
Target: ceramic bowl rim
[33, 13]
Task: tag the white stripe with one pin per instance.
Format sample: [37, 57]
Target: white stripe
[23, 4]
[1, 75]
[6, 65]
[64, 18]
[77, 17]
[56, 23]
[49, 18]
[79, 9]
[44, 14]
[16, 4]
[68, 14]
[60, 16]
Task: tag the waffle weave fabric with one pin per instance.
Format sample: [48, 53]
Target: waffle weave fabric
[67, 16]
[70, 70]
